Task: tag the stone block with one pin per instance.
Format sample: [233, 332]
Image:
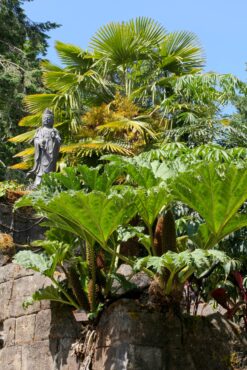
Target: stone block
[38, 356]
[22, 289]
[42, 325]
[63, 324]
[7, 272]
[128, 357]
[25, 326]
[9, 332]
[20, 272]
[5, 294]
[11, 358]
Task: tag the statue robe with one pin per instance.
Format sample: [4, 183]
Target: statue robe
[46, 143]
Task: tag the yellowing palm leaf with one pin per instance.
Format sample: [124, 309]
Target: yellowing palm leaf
[26, 136]
[25, 153]
[31, 121]
[128, 125]
[96, 147]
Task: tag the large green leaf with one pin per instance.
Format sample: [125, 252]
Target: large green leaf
[216, 193]
[95, 180]
[35, 261]
[150, 202]
[207, 239]
[95, 214]
[140, 171]
[50, 293]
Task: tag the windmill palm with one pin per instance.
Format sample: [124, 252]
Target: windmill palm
[137, 60]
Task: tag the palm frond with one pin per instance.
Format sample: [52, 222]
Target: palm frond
[123, 42]
[26, 136]
[31, 121]
[37, 103]
[60, 81]
[20, 166]
[70, 55]
[181, 51]
[88, 148]
[128, 125]
[25, 153]
[48, 66]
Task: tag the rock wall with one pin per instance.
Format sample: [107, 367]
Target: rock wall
[39, 337]
[129, 337]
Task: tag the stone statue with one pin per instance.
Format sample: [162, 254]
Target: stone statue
[46, 143]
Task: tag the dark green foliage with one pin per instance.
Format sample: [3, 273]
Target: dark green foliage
[22, 42]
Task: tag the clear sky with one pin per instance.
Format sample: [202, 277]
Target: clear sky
[221, 25]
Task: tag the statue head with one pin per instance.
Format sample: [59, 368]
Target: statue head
[48, 118]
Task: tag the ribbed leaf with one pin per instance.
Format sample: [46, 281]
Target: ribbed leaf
[70, 55]
[21, 166]
[96, 147]
[125, 42]
[150, 202]
[25, 153]
[128, 125]
[48, 293]
[35, 261]
[31, 121]
[60, 81]
[37, 103]
[216, 194]
[181, 51]
[207, 239]
[96, 181]
[95, 214]
[26, 136]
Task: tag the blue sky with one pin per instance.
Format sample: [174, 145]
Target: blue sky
[221, 25]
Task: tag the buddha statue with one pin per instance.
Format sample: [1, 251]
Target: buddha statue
[46, 143]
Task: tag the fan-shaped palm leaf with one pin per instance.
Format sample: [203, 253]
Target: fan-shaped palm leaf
[31, 121]
[181, 52]
[72, 55]
[37, 103]
[25, 153]
[125, 42]
[21, 166]
[26, 136]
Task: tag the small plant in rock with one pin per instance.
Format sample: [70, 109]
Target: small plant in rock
[11, 190]
[6, 241]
